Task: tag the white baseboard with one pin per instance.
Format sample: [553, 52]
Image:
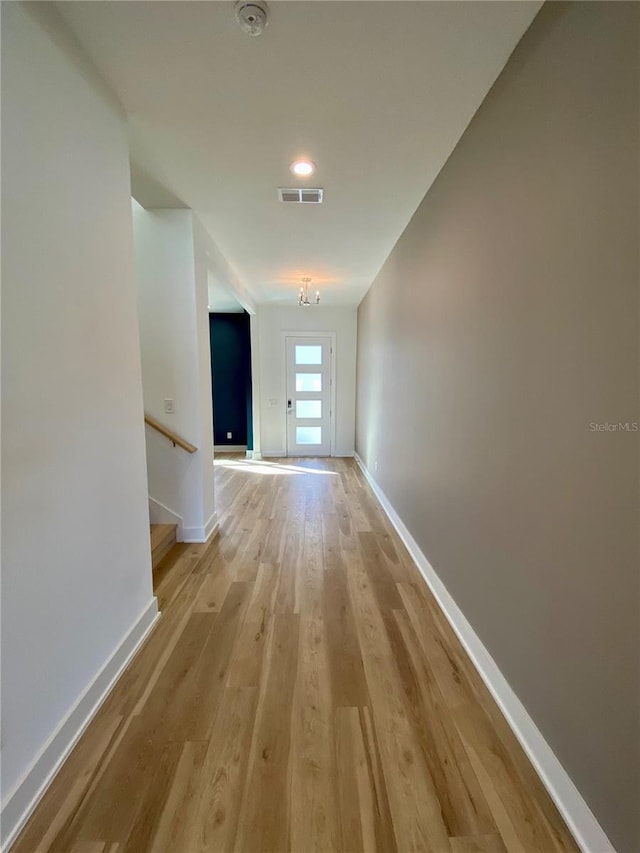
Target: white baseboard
[27, 794]
[576, 813]
[201, 534]
[229, 448]
[161, 514]
[283, 454]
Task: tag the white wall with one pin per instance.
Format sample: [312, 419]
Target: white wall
[171, 272]
[76, 573]
[201, 254]
[272, 322]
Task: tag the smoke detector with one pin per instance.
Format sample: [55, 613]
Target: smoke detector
[252, 15]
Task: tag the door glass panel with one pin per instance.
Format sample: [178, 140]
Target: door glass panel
[308, 382]
[308, 354]
[308, 435]
[308, 408]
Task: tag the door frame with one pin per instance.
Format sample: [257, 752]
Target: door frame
[283, 350]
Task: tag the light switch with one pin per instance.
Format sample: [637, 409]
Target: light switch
[229, 435]
[273, 402]
[168, 407]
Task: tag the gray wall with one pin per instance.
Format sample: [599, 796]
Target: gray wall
[503, 324]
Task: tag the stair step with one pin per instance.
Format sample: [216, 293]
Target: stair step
[163, 538]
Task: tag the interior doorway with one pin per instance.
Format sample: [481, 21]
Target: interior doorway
[231, 381]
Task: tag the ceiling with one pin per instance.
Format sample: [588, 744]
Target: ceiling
[376, 93]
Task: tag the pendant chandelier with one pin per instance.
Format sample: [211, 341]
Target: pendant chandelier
[303, 295]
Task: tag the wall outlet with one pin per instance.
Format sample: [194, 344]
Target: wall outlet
[273, 402]
[375, 466]
[229, 435]
[168, 407]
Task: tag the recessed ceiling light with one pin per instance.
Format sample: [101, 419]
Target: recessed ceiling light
[303, 168]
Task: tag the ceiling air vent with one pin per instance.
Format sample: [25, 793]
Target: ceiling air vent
[300, 196]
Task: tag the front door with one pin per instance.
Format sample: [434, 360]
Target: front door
[308, 396]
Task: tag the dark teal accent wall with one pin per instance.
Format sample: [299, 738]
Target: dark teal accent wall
[231, 378]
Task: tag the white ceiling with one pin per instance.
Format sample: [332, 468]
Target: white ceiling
[376, 93]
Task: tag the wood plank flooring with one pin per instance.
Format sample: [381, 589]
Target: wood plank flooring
[163, 538]
[301, 692]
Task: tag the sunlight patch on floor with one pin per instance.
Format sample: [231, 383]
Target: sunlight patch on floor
[269, 468]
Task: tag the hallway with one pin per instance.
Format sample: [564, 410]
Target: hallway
[300, 692]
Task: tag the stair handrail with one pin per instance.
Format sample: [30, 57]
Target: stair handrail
[173, 437]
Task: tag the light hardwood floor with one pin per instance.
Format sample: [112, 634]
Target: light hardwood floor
[301, 692]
